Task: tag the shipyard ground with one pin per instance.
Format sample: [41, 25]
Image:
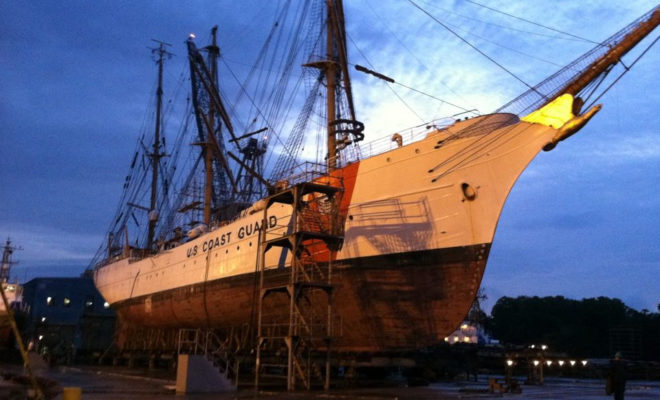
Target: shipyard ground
[115, 383]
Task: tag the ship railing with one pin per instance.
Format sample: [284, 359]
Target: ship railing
[218, 351]
[308, 270]
[281, 329]
[280, 229]
[136, 255]
[305, 366]
[309, 172]
[133, 254]
[274, 326]
[402, 137]
[207, 343]
[276, 274]
[189, 341]
[311, 221]
[322, 218]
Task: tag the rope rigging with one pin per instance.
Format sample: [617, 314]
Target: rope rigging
[386, 26]
[566, 80]
[532, 22]
[571, 37]
[505, 47]
[470, 44]
[389, 86]
[626, 70]
[474, 47]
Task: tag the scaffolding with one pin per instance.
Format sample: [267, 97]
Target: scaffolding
[295, 317]
[224, 348]
[138, 344]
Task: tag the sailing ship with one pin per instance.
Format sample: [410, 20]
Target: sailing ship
[415, 222]
[13, 293]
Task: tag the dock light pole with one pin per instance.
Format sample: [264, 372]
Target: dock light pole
[538, 361]
[509, 371]
[543, 349]
[538, 371]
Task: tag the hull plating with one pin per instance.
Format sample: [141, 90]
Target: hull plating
[387, 302]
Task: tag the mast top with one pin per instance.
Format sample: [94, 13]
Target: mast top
[342, 130]
[5, 268]
[160, 53]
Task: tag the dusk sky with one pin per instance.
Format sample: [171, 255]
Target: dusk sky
[582, 221]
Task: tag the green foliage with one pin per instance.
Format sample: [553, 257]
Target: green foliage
[578, 327]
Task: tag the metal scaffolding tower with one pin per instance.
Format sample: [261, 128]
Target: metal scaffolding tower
[295, 320]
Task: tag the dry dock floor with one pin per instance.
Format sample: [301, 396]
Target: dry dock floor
[112, 383]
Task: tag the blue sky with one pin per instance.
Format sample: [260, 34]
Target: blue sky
[581, 222]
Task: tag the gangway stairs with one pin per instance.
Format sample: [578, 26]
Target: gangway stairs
[295, 317]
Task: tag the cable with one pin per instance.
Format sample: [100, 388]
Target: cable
[473, 46]
[390, 87]
[501, 26]
[387, 27]
[626, 69]
[431, 96]
[506, 47]
[532, 22]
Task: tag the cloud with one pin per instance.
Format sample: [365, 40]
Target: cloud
[47, 245]
[642, 147]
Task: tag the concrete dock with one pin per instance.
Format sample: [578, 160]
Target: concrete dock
[119, 383]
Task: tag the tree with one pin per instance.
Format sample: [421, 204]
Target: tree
[580, 328]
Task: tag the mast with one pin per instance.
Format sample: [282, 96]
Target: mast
[331, 72]
[614, 55]
[211, 116]
[7, 251]
[336, 70]
[618, 45]
[156, 155]
[213, 51]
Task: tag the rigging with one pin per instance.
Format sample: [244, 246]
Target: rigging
[390, 80]
[386, 26]
[471, 45]
[533, 23]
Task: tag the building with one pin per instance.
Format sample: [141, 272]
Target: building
[67, 318]
[466, 333]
